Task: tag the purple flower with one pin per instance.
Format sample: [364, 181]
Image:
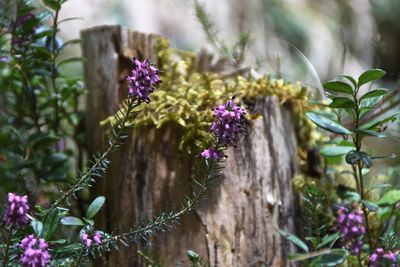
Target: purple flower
[143, 79]
[211, 153]
[351, 225]
[380, 258]
[17, 210]
[230, 122]
[35, 252]
[88, 239]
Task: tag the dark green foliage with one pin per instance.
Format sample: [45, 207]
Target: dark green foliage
[316, 217]
[39, 113]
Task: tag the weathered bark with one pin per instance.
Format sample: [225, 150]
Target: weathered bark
[236, 225]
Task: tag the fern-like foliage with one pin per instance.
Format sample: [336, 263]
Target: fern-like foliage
[207, 174]
[98, 165]
[315, 216]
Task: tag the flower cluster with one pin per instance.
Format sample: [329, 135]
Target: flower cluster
[88, 240]
[17, 209]
[230, 122]
[35, 252]
[379, 257]
[142, 80]
[351, 225]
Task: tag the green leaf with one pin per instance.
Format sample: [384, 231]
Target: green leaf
[371, 206]
[371, 133]
[371, 102]
[53, 4]
[327, 124]
[50, 224]
[373, 93]
[193, 256]
[387, 117]
[70, 60]
[390, 198]
[334, 151]
[294, 239]
[352, 196]
[350, 79]
[95, 206]
[366, 159]
[342, 102]
[338, 86]
[370, 75]
[353, 157]
[329, 240]
[334, 258]
[37, 227]
[69, 220]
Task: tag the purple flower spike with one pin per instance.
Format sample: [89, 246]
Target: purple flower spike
[17, 210]
[88, 239]
[230, 122]
[143, 79]
[380, 258]
[35, 252]
[351, 226]
[211, 153]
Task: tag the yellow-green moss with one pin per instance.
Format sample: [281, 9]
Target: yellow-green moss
[187, 96]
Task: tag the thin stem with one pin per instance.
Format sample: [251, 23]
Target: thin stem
[358, 169]
[5, 257]
[132, 103]
[54, 71]
[188, 207]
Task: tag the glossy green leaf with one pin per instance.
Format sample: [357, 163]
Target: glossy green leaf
[37, 227]
[371, 206]
[95, 206]
[53, 4]
[350, 79]
[338, 86]
[374, 93]
[327, 124]
[294, 239]
[334, 258]
[342, 102]
[50, 224]
[352, 157]
[334, 151]
[370, 75]
[371, 133]
[383, 119]
[69, 220]
[390, 198]
[329, 240]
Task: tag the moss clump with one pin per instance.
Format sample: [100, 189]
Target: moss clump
[186, 97]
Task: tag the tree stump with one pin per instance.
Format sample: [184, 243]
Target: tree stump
[236, 225]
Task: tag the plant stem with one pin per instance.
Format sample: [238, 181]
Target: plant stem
[132, 103]
[54, 71]
[358, 169]
[5, 257]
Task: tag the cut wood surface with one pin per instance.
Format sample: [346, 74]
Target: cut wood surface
[236, 224]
